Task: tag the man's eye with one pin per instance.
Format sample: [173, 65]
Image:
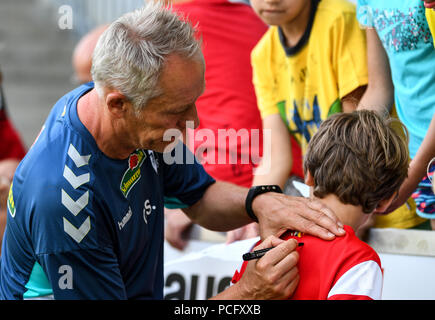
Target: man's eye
[178, 112]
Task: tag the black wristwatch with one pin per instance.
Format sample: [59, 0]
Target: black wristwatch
[255, 191]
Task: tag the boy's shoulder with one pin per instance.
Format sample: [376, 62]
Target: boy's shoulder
[346, 248]
[336, 7]
[332, 14]
[267, 40]
[349, 247]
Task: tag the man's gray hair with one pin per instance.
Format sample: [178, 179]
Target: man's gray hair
[130, 54]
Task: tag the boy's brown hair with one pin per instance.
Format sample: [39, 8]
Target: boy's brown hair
[359, 157]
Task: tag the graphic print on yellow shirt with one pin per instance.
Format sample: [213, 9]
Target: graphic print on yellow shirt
[306, 86]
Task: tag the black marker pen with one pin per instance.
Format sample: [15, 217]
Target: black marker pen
[257, 254]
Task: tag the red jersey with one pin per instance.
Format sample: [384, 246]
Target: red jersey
[229, 32]
[345, 268]
[11, 146]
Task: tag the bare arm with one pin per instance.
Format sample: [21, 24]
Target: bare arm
[221, 208]
[177, 228]
[380, 96]
[417, 167]
[380, 91]
[274, 168]
[350, 102]
[277, 158]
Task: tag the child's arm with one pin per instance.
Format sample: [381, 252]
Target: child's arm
[349, 103]
[417, 167]
[274, 168]
[277, 158]
[380, 91]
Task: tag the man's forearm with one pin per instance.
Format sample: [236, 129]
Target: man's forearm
[222, 208]
[232, 293]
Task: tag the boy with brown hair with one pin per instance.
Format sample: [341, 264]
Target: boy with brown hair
[355, 165]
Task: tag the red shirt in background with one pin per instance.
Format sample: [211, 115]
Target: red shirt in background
[11, 146]
[229, 32]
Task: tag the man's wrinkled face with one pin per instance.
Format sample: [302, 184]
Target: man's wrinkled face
[182, 82]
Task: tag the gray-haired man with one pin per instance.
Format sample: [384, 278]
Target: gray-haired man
[86, 206]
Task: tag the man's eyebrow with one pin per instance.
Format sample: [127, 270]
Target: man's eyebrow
[180, 109]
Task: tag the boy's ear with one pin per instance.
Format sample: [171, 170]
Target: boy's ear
[309, 179]
[384, 204]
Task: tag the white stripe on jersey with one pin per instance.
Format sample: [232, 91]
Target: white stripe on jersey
[363, 279]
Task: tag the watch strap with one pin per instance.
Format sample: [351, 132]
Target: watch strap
[255, 191]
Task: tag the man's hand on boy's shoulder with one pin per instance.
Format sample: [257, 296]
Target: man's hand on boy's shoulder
[280, 212]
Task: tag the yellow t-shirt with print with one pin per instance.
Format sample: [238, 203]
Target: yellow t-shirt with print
[430, 17]
[307, 86]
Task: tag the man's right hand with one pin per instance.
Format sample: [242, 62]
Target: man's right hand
[274, 276]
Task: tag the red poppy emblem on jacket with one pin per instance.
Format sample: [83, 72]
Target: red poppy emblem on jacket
[133, 161]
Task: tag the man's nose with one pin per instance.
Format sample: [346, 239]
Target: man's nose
[191, 119]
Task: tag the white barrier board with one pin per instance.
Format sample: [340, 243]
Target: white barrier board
[408, 277]
[203, 269]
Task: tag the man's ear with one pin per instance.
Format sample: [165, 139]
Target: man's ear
[117, 103]
[309, 179]
[383, 205]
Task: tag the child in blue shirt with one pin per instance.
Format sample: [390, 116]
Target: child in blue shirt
[400, 57]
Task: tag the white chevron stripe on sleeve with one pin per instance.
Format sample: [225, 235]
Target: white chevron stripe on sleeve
[77, 234]
[75, 206]
[78, 159]
[75, 181]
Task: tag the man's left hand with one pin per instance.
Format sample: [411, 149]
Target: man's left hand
[277, 213]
